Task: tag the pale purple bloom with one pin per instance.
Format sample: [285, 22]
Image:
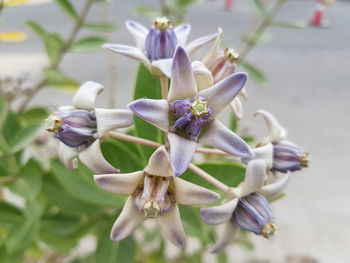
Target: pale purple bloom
[155, 47]
[280, 154]
[81, 126]
[154, 194]
[189, 116]
[248, 209]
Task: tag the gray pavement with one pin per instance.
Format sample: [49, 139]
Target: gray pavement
[308, 90]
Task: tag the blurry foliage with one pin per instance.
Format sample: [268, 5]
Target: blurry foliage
[60, 206]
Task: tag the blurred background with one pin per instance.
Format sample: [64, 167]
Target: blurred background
[305, 84]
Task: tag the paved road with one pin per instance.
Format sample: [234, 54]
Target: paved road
[308, 90]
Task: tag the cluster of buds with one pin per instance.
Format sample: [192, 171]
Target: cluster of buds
[12, 88]
[199, 91]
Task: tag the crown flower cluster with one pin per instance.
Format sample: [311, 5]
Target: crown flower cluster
[187, 113]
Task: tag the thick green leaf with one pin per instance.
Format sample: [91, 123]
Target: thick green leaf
[33, 116]
[68, 8]
[29, 184]
[192, 224]
[88, 44]
[60, 198]
[11, 127]
[59, 80]
[255, 73]
[147, 87]
[122, 157]
[230, 173]
[10, 215]
[101, 27]
[23, 137]
[80, 184]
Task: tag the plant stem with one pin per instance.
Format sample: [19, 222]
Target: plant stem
[212, 180]
[164, 87]
[65, 47]
[138, 140]
[255, 36]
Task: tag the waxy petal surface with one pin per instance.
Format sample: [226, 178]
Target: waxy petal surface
[276, 131]
[129, 51]
[68, 156]
[219, 214]
[196, 44]
[159, 163]
[273, 190]
[203, 76]
[254, 177]
[226, 233]
[85, 97]
[182, 32]
[138, 31]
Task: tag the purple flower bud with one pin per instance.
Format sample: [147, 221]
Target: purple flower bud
[73, 128]
[253, 213]
[287, 156]
[192, 115]
[161, 40]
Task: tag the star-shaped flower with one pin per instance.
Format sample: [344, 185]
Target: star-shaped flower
[81, 126]
[280, 154]
[249, 209]
[154, 193]
[189, 116]
[156, 46]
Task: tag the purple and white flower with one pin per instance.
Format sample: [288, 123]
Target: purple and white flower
[81, 127]
[156, 46]
[189, 116]
[280, 154]
[154, 194]
[249, 208]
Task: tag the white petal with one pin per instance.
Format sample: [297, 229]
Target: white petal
[128, 220]
[254, 177]
[216, 215]
[138, 31]
[129, 51]
[164, 65]
[223, 92]
[215, 48]
[110, 119]
[159, 163]
[244, 94]
[237, 108]
[119, 183]
[86, 95]
[172, 228]
[193, 46]
[93, 158]
[277, 132]
[66, 108]
[183, 84]
[225, 234]
[182, 32]
[264, 152]
[187, 193]
[181, 152]
[273, 190]
[68, 155]
[219, 136]
[155, 112]
[203, 76]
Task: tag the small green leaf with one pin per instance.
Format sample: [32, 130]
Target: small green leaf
[192, 224]
[255, 73]
[147, 87]
[68, 8]
[10, 215]
[23, 137]
[101, 27]
[88, 44]
[59, 80]
[233, 123]
[33, 116]
[289, 24]
[222, 257]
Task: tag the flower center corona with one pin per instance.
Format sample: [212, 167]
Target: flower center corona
[162, 23]
[199, 107]
[231, 55]
[268, 229]
[53, 123]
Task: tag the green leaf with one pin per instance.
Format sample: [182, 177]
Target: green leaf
[289, 24]
[11, 127]
[122, 157]
[233, 123]
[255, 73]
[222, 258]
[88, 44]
[23, 137]
[33, 116]
[192, 224]
[101, 27]
[147, 87]
[10, 215]
[53, 42]
[66, 202]
[230, 173]
[68, 8]
[80, 184]
[29, 184]
[57, 79]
